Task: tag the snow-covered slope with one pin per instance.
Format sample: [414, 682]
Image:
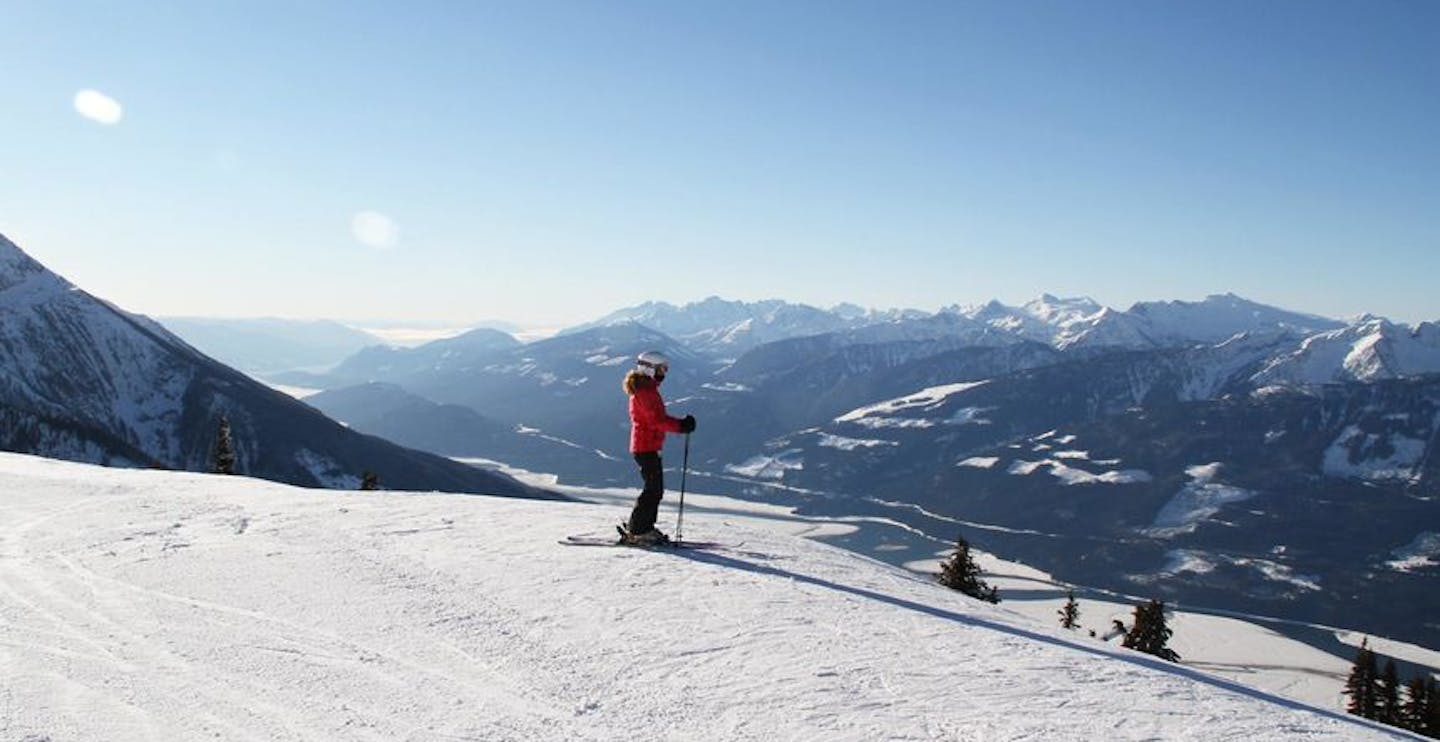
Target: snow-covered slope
[1221, 316]
[149, 605]
[67, 355]
[450, 355]
[1369, 350]
[1083, 322]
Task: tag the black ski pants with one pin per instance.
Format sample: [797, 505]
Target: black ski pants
[647, 506]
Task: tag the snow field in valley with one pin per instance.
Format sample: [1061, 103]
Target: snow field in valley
[146, 605]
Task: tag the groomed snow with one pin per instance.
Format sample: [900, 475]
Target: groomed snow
[148, 605]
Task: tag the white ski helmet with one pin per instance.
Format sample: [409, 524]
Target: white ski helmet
[652, 363]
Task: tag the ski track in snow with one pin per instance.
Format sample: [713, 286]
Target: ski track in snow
[141, 605]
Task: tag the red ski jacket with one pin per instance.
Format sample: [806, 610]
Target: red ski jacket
[648, 421]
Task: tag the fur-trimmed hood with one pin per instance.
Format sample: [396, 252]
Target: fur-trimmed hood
[636, 380]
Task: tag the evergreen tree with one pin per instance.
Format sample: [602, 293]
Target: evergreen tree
[224, 449]
[961, 573]
[369, 481]
[1414, 709]
[1070, 614]
[1388, 695]
[1432, 725]
[1360, 686]
[1149, 633]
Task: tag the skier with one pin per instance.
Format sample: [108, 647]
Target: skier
[648, 425]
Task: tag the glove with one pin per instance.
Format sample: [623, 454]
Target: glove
[687, 425]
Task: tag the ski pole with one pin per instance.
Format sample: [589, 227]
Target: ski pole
[684, 470]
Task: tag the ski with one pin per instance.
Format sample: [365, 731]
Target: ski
[584, 540]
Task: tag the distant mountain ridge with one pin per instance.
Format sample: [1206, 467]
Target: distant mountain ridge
[1222, 316]
[83, 380]
[720, 327]
[730, 328]
[563, 385]
[459, 352]
[1077, 322]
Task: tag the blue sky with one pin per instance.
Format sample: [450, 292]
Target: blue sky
[546, 163]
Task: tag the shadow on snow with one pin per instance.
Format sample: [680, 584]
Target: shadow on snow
[1139, 660]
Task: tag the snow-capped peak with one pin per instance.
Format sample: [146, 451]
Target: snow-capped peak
[16, 268]
[1060, 322]
[1371, 349]
[850, 311]
[1222, 316]
[730, 327]
[1060, 312]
